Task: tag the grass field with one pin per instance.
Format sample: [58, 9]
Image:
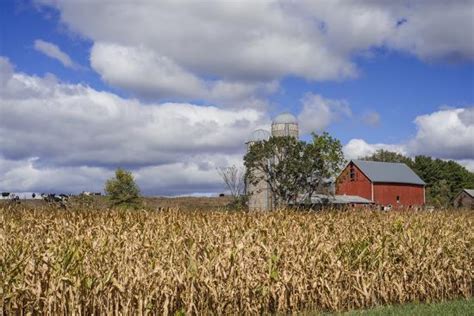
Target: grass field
[163, 262]
[451, 308]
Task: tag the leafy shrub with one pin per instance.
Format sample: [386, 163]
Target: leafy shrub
[122, 190]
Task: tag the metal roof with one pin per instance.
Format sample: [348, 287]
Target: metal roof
[390, 172]
[334, 199]
[343, 199]
[285, 118]
[469, 191]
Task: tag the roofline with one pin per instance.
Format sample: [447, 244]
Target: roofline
[392, 182]
[458, 195]
[360, 169]
[466, 190]
[372, 181]
[400, 163]
[347, 164]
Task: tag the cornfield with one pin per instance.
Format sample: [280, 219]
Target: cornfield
[193, 262]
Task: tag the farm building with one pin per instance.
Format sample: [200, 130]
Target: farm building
[360, 183]
[321, 200]
[465, 199]
[285, 124]
[383, 183]
[260, 197]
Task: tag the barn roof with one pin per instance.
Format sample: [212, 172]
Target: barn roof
[390, 172]
[470, 192]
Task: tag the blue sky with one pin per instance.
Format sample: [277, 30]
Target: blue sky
[368, 80]
[396, 86]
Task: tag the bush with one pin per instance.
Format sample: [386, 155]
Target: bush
[122, 190]
[238, 203]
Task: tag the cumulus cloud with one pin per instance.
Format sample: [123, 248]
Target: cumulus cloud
[436, 29]
[317, 113]
[246, 44]
[143, 71]
[53, 51]
[251, 40]
[430, 30]
[71, 136]
[359, 148]
[446, 134]
[178, 178]
[25, 176]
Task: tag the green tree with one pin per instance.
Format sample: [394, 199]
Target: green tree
[122, 190]
[439, 193]
[330, 150]
[292, 167]
[388, 156]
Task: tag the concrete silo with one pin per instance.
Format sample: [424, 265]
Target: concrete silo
[260, 195]
[260, 198]
[285, 124]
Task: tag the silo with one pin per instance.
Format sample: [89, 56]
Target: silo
[260, 198]
[258, 135]
[285, 124]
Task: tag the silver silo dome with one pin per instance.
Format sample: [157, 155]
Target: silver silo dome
[285, 124]
[258, 136]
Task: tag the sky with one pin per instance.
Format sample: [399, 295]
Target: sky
[171, 90]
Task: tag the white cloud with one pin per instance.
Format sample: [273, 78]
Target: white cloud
[245, 44]
[53, 51]
[468, 163]
[437, 29]
[25, 176]
[69, 137]
[198, 175]
[317, 113]
[222, 51]
[445, 134]
[142, 71]
[252, 40]
[359, 148]
[430, 30]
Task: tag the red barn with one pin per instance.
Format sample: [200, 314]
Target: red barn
[384, 183]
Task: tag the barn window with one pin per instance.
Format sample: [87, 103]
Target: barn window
[352, 173]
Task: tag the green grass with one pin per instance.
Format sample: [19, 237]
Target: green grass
[459, 307]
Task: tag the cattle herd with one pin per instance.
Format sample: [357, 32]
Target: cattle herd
[60, 199]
